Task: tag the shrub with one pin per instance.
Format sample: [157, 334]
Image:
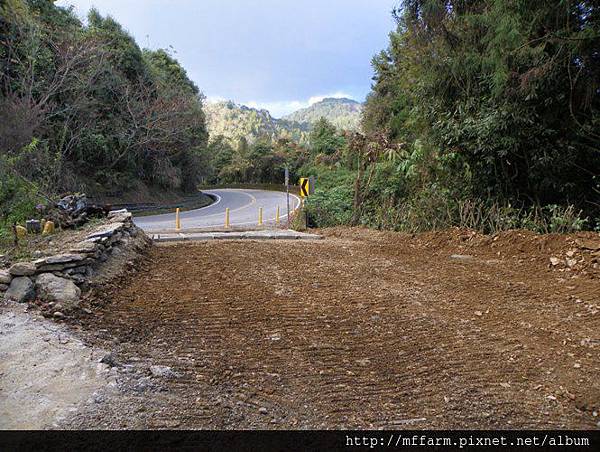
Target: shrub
[330, 207]
[17, 203]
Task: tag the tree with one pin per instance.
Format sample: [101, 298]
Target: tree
[504, 90]
[221, 155]
[167, 72]
[324, 138]
[92, 105]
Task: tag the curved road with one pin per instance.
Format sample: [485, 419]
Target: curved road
[243, 210]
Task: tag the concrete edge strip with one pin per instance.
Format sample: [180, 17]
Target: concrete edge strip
[232, 236]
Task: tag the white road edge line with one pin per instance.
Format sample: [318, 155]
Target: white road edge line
[253, 201]
[297, 198]
[210, 205]
[140, 219]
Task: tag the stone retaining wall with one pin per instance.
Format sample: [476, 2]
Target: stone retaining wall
[58, 280]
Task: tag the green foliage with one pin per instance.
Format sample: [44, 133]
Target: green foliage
[123, 52]
[168, 72]
[324, 138]
[95, 106]
[18, 198]
[328, 177]
[330, 207]
[332, 202]
[564, 219]
[495, 103]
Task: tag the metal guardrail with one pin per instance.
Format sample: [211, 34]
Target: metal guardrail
[194, 201]
[191, 202]
[295, 189]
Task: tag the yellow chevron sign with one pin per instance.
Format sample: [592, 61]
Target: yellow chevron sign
[304, 187]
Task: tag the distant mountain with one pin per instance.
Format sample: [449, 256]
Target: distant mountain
[234, 121]
[341, 112]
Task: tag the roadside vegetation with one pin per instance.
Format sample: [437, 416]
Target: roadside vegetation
[482, 114]
[493, 109]
[83, 108]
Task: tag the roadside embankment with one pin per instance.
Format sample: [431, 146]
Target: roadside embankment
[47, 370]
[54, 281]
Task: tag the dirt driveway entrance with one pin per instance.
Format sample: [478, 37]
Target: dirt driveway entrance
[361, 330]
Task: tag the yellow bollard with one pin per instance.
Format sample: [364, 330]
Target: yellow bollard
[277, 217]
[260, 216]
[21, 232]
[227, 217]
[48, 228]
[177, 220]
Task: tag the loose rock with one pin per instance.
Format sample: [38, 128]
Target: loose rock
[84, 247]
[23, 269]
[114, 213]
[163, 372]
[461, 257]
[106, 231]
[60, 259]
[20, 290]
[571, 262]
[109, 359]
[588, 244]
[5, 277]
[54, 288]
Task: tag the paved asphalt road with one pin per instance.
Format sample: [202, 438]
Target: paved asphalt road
[243, 210]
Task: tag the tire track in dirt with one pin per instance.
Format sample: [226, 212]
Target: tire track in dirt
[353, 332]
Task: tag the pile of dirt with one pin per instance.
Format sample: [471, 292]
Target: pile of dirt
[576, 254]
[364, 329]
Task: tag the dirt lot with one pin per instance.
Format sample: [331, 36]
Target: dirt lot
[360, 330]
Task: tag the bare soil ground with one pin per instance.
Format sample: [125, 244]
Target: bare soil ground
[361, 330]
[46, 372]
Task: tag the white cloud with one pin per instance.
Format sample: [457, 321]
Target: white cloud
[278, 108]
[214, 99]
[282, 108]
[337, 95]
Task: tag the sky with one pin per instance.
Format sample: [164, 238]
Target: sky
[281, 55]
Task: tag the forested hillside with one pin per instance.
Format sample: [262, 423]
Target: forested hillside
[483, 114]
[343, 113]
[82, 107]
[233, 122]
